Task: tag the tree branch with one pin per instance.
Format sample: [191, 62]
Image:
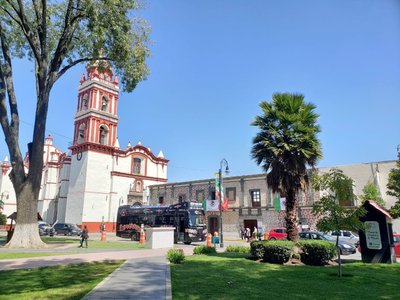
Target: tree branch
[78, 61]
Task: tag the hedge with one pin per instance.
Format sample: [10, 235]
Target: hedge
[317, 253]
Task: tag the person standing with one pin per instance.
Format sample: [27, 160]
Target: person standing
[84, 236]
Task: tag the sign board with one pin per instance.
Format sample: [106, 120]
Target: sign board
[373, 235]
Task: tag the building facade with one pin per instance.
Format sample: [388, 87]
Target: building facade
[87, 185]
[253, 204]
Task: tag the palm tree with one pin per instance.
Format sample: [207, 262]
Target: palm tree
[285, 146]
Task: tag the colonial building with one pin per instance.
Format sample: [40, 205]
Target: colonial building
[87, 185]
[252, 203]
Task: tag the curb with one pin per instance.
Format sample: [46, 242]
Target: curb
[168, 288]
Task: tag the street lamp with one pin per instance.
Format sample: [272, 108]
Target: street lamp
[225, 163]
[398, 152]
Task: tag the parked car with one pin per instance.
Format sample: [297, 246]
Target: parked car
[345, 236]
[45, 229]
[67, 229]
[396, 238]
[344, 248]
[277, 234]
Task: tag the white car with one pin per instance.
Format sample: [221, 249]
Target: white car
[345, 236]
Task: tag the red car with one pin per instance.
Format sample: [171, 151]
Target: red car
[396, 238]
[277, 234]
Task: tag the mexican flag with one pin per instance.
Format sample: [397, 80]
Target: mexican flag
[280, 203]
[220, 194]
[211, 205]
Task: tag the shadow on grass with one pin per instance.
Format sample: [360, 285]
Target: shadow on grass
[20, 282]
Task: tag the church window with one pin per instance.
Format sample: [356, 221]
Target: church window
[105, 103]
[85, 102]
[103, 136]
[137, 162]
[138, 186]
[81, 133]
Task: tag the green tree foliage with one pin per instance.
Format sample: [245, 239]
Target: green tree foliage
[393, 187]
[285, 146]
[3, 219]
[56, 36]
[337, 189]
[370, 192]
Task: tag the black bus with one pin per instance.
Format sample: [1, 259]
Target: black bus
[186, 217]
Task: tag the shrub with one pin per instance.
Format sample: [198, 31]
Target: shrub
[317, 253]
[176, 256]
[257, 249]
[3, 219]
[277, 252]
[204, 250]
[238, 249]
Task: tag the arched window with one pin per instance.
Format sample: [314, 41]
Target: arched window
[81, 133]
[103, 136]
[105, 102]
[137, 164]
[85, 102]
[138, 186]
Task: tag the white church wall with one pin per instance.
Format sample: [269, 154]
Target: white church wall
[62, 196]
[98, 186]
[7, 195]
[76, 190]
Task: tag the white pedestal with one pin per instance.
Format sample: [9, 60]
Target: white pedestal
[160, 237]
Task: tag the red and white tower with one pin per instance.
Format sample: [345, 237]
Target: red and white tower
[95, 134]
[101, 175]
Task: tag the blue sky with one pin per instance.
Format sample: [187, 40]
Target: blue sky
[212, 62]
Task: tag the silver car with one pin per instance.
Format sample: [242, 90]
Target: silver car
[344, 248]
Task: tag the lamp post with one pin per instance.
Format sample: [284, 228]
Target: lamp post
[223, 162]
[398, 152]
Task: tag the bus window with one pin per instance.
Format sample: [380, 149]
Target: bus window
[196, 218]
[158, 221]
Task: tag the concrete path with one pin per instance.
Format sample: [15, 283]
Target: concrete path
[145, 274]
[147, 278]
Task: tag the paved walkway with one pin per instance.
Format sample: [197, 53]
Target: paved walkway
[145, 274]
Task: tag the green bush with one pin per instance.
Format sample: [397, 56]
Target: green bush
[317, 253]
[3, 219]
[277, 252]
[204, 250]
[238, 249]
[176, 256]
[257, 249]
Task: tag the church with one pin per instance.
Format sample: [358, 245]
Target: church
[86, 185]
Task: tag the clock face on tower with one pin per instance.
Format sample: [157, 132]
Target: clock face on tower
[79, 155]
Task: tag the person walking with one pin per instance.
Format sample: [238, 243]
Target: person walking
[248, 234]
[84, 237]
[242, 233]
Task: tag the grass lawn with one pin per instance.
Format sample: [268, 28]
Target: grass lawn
[232, 276]
[62, 282]
[72, 249]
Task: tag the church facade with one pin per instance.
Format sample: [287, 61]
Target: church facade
[87, 185]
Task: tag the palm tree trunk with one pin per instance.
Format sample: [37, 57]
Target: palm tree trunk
[291, 216]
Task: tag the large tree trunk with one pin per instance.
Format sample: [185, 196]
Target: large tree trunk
[26, 232]
[291, 216]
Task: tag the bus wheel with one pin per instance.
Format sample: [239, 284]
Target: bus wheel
[134, 236]
[187, 243]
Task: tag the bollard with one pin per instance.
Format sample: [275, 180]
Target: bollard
[142, 235]
[209, 244]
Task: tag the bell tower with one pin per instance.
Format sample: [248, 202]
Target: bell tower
[93, 150]
[96, 118]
